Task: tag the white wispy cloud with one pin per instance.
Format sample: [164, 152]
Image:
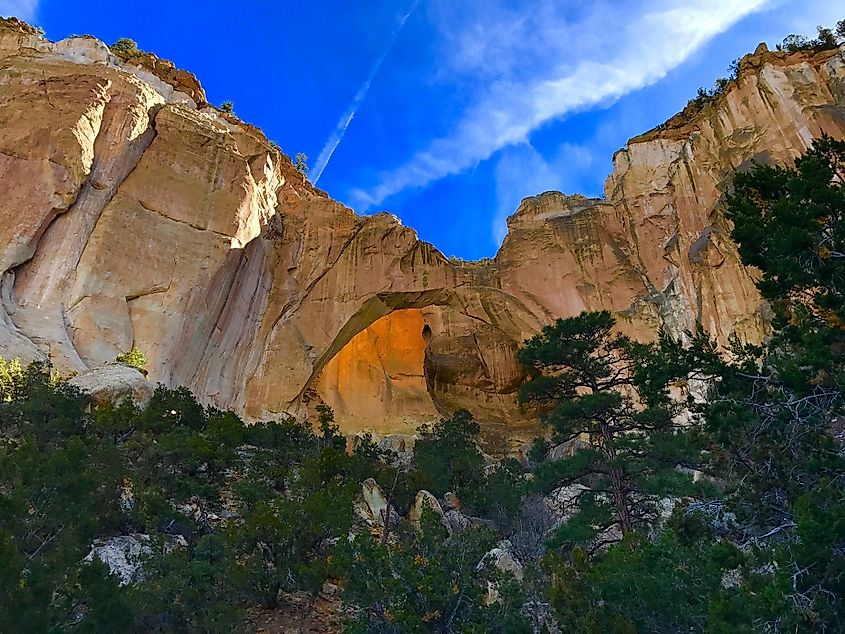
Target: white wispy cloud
[343, 123]
[539, 65]
[24, 9]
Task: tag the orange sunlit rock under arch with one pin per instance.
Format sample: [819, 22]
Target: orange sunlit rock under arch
[377, 380]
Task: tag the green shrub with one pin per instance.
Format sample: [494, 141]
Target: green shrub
[134, 357]
[11, 378]
[125, 48]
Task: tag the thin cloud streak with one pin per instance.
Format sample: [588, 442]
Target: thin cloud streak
[648, 47]
[340, 129]
[26, 10]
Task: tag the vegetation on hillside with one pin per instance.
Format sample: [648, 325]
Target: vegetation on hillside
[826, 38]
[607, 398]
[681, 487]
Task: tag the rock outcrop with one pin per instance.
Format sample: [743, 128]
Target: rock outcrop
[124, 554]
[113, 383]
[423, 501]
[135, 214]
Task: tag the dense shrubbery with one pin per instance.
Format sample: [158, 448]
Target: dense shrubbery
[258, 506]
[727, 517]
[428, 582]
[764, 548]
[261, 509]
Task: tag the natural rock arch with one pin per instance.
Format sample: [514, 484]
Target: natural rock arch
[464, 340]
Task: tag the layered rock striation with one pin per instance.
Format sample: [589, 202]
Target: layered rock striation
[135, 214]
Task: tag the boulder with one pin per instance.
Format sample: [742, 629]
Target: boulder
[563, 502]
[567, 449]
[113, 383]
[402, 445]
[455, 522]
[124, 554]
[451, 502]
[503, 559]
[375, 501]
[423, 501]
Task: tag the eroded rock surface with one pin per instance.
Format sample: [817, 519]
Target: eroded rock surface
[135, 214]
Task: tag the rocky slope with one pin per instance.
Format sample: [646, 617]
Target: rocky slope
[136, 214]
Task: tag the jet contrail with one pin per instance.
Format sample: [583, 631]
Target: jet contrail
[340, 129]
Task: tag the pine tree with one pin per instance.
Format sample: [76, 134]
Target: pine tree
[602, 389]
[772, 412]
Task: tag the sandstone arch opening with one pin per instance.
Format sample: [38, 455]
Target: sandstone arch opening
[377, 380]
[406, 357]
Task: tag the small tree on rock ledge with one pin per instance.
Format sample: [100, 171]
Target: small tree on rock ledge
[300, 162]
[134, 358]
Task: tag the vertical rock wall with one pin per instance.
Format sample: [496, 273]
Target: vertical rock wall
[136, 214]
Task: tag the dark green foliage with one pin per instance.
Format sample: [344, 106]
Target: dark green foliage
[300, 162]
[260, 510]
[772, 412]
[228, 107]
[794, 42]
[427, 582]
[258, 506]
[733, 69]
[47, 519]
[762, 550]
[665, 585]
[448, 459]
[790, 223]
[704, 96]
[600, 389]
[826, 38]
[285, 535]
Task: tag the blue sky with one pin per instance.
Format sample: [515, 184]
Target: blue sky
[446, 112]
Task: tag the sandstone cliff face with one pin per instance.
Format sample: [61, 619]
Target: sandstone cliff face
[136, 214]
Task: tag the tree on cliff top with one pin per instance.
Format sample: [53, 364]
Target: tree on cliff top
[125, 48]
[300, 162]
